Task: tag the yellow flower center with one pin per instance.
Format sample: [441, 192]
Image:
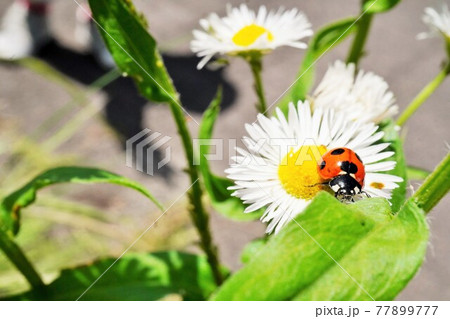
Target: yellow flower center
[298, 171]
[249, 34]
[377, 185]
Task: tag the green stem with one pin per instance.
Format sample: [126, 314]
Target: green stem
[18, 258]
[423, 95]
[256, 66]
[435, 186]
[356, 51]
[198, 213]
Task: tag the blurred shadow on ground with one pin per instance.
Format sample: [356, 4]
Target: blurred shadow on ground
[124, 108]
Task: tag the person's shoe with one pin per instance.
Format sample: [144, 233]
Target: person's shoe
[99, 50]
[24, 30]
[87, 34]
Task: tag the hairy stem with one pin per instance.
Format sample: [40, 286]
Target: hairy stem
[423, 96]
[357, 49]
[197, 210]
[435, 186]
[256, 66]
[18, 258]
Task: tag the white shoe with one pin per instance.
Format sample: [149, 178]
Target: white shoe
[87, 34]
[99, 50]
[23, 32]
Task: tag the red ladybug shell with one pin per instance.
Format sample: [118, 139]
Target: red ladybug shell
[342, 161]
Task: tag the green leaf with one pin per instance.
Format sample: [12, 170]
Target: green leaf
[373, 246]
[216, 186]
[382, 264]
[133, 277]
[392, 136]
[133, 48]
[12, 204]
[378, 6]
[324, 40]
[252, 249]
[416, 173]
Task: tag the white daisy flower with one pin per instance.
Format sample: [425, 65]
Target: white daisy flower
[243, 30]
[363, 97]
[280, 168]
[438, 22]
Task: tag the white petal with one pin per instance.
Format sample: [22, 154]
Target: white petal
[379, 167]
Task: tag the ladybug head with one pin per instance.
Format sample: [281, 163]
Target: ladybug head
[345, 194]
[345, 187]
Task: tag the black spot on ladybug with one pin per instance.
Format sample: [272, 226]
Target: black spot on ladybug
[359, 158]
[348, 167]
[322, 165]
[338, 151]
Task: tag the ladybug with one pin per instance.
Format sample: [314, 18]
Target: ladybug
[344, 171]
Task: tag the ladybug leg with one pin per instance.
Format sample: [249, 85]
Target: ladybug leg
[323, 184]
[338, 195]
[366, 194]
[341, 196]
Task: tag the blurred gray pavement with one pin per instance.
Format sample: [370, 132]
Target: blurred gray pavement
[392, 52]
